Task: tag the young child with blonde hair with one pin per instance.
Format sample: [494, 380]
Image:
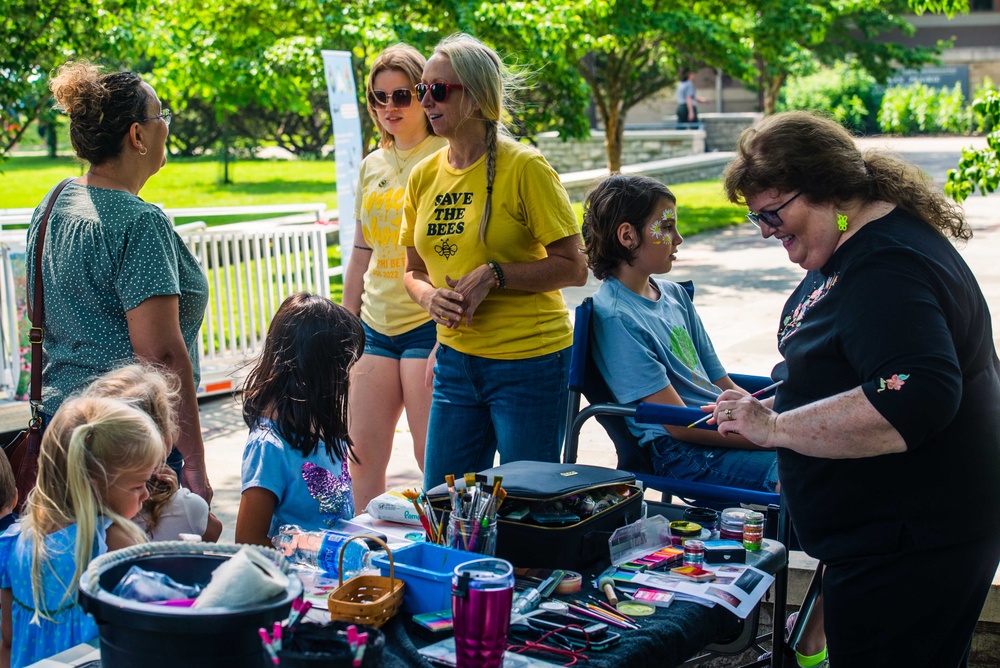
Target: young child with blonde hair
[170, 510]
[95, 459]
[8, 493]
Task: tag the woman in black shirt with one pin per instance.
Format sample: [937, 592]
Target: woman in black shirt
[887, 426]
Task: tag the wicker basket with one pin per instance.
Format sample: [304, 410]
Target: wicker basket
[366, 599]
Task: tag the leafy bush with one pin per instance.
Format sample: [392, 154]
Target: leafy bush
[984, 121]
[979, 169]
[849, 94]
[920, 109]
[193, 128]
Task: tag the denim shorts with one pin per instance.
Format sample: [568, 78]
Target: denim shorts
[414, 344]
[744, 469]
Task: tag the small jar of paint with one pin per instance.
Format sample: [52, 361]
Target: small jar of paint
[681, 531]
[753, 531]
[708, 518]
[731, 523]
[694, 553]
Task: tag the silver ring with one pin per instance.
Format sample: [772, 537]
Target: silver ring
[729, 414]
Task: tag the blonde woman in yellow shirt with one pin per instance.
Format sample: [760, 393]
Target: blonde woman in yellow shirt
[393, 373]
[491, 239]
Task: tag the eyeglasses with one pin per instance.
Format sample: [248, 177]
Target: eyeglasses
[770, 218]
[439, 91]
[165, 115]
[401, 97]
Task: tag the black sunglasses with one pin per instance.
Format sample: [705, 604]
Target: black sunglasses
[439, 91]
[770, 218]
[401, 97]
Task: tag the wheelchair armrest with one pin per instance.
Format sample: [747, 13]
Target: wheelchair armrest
[680, 416]
[751, 383]
[705, 491]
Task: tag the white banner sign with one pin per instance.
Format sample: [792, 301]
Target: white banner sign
[346, 141]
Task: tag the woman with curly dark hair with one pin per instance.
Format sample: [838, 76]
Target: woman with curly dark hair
[890, 394]
[120, 284]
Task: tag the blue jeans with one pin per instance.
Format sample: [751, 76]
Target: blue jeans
[414, 344]
[483, 405]
[744, 469]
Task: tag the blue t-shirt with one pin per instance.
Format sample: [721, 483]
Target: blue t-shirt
[313, 492]
[69, 624]
[642, 346]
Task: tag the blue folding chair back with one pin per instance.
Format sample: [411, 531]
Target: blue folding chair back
[585, 380]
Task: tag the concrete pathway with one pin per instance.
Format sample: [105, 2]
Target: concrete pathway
[742, 282]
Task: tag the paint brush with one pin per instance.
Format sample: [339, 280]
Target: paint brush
[587, 612]
[450, 481]
[754, 395]
[414, 497]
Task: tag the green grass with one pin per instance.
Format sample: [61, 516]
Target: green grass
[195, 182]
[187, 182]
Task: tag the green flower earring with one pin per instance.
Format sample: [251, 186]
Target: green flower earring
[841, 222]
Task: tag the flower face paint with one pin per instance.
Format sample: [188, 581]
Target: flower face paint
[660, 229]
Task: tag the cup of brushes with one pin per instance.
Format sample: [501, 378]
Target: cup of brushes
[472, 525]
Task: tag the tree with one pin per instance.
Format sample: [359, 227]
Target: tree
[978, 169]
[782, 38]
[622, 51]
[39, 35]
[257, 65]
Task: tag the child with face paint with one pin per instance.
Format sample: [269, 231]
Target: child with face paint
[649, 342]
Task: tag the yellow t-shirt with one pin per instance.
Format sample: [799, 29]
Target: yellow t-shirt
[530, 210]
[385, 305]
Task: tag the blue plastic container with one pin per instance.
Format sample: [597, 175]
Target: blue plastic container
[427, 569]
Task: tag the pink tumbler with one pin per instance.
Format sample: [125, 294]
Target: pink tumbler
[481, 596]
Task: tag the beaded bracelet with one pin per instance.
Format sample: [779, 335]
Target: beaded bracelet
[497, 273]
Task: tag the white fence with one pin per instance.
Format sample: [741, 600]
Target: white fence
[251, 269]
[250, 272]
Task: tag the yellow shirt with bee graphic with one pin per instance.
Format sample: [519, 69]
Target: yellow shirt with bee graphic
[530, 210]
[385, 305]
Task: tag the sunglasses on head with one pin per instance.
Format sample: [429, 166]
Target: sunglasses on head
[770, 218]
[401, 97]
[439, 91]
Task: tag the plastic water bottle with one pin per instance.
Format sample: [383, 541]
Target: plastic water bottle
[321, 550]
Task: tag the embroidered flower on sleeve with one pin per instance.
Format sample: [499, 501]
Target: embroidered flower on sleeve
[895, 383]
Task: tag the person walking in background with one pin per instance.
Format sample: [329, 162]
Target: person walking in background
[120, 284]
[491, 239]
[687, 99]
[890, 394]
[396, 368]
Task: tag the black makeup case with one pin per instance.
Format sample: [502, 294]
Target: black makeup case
[556, 515]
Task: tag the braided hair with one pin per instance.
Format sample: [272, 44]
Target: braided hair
[490, 83]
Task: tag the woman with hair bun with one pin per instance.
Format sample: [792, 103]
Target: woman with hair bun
[395, 369]
[491, 239]
[119, 284]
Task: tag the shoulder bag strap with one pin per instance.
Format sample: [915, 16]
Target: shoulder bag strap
[37, 314]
